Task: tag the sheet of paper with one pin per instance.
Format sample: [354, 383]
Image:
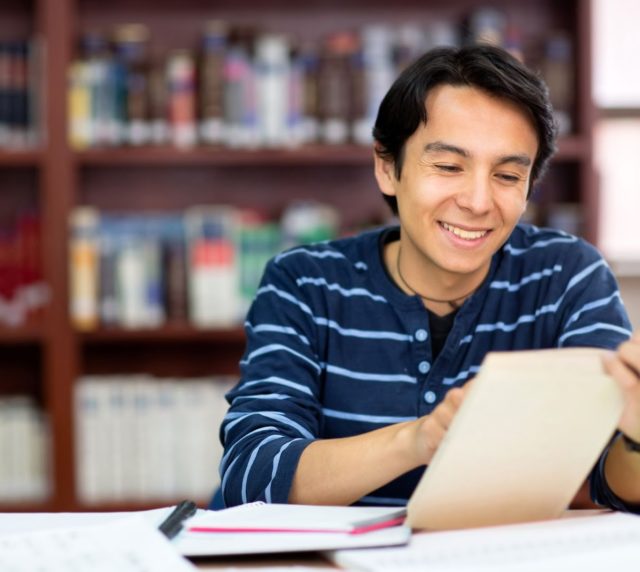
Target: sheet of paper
[125, 545]
[10, 523]
[526, 436]
[588, 544]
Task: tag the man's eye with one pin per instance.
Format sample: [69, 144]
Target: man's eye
[448, 168]
[508, 178]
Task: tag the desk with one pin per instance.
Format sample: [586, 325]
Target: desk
[292, 561]
[589, 541]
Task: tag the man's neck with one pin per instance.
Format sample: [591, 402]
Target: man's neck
[441, 291]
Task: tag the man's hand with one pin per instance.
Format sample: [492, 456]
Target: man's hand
[622, 468]
[340, 471]
[431, 428]
[624, 367]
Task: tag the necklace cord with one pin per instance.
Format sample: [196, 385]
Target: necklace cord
[451, 301]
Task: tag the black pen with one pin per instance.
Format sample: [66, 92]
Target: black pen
[173, 523]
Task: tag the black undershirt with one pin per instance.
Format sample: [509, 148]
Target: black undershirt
[439, 326]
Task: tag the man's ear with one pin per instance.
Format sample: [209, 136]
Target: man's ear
[385, 175]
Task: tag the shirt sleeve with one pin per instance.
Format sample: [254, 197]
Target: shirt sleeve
[595, 316]
[275, 409]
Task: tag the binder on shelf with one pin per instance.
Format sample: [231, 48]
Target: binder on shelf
[141, 438]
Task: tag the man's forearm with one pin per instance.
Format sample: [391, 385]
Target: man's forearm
[340, 471]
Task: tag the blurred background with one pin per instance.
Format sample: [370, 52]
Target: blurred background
[154, 154]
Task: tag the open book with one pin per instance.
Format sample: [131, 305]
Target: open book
[525, 438]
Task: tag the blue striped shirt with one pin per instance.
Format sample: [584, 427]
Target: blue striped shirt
[335, 348]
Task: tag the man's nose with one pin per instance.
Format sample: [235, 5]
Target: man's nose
[476, 195]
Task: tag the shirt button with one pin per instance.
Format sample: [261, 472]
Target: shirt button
[430, 397]
[424, 366]
[421, 335]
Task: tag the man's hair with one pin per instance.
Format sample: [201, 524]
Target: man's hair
[488, 68]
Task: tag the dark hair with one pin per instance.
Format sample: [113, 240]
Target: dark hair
[486, 67]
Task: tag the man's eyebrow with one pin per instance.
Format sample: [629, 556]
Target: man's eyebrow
[523, 160]
[440, 146]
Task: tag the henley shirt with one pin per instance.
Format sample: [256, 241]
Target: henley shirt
[335, 348]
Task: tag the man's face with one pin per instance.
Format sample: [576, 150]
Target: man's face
[463, 185]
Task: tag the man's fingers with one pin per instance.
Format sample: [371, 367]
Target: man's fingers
[629, 353]
[626, 378]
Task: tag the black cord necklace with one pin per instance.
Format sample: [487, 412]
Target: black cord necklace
[451, 302]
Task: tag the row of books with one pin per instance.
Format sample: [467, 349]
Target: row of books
[23, 292]
[143, 438]
[248, 88]
[20, 89]
[201, 266]
[24, 471]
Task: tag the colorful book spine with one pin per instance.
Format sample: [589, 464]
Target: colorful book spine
[84, 267]
[20, 86]
[182, 99]
[213, 281]
[211, 95]
[202, 266]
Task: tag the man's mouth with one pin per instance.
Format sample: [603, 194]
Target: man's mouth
[462, 233]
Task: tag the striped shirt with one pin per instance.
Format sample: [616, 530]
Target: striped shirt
[335, 348]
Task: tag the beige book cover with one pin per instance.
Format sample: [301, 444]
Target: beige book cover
[528, 433]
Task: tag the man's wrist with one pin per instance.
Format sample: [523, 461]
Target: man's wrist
[630, 444]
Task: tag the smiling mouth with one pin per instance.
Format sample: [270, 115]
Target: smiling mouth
[464, 234]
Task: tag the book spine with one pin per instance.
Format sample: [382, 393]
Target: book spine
[79, 106]
[175, 270]
[182, 99]
[272, 89]
[131, 283]
[158, 104]
[212, 267]
[335, 88]
[83, 256]
[211, 96]
[109, 302]
[23, 475]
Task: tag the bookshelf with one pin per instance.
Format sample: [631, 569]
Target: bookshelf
[44, 357]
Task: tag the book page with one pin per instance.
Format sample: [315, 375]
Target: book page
[526, 436]
[129, 545]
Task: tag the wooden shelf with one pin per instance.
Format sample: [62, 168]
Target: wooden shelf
[569, 148]
[28, 334]
[28, 506]
[47, 359]
[314, 155]
[573, 148]
[26, 158]
[167, 333]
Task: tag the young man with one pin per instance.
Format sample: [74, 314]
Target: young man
[359, 349]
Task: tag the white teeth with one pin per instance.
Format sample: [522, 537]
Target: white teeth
[465, 234]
